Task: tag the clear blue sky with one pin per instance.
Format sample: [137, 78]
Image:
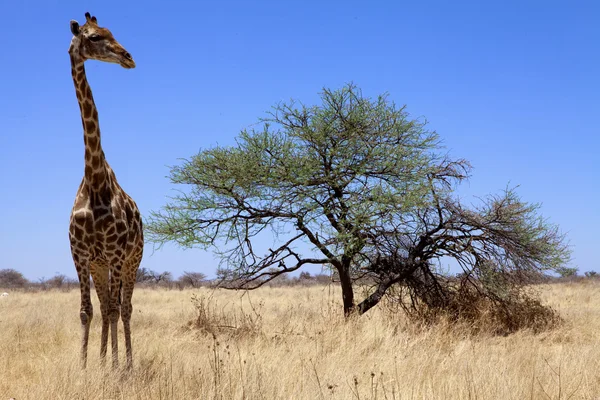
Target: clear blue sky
[513, 86]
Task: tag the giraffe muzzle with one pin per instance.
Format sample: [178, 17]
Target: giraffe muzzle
[127, 61]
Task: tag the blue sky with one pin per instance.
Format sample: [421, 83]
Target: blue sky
[511, 86]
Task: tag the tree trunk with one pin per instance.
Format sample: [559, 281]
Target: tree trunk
[347, 291]
[374, 298]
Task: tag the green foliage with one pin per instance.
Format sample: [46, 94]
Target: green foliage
[356, 185]
[351, 159]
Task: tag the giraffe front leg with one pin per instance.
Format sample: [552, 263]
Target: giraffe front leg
[102, 291]
[86, 312]
[114, 312]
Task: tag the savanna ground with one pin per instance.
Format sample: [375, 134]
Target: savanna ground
[292, 343]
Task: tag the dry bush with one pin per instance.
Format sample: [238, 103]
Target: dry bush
[496, 311]
[59, 282]
[234, 322]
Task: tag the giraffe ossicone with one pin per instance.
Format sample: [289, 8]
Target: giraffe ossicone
[105, 230]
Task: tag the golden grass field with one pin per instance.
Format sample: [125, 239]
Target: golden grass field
[292, 343]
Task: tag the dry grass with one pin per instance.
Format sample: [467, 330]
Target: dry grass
[291, 343]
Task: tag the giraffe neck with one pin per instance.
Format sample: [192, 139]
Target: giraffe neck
[96, 170]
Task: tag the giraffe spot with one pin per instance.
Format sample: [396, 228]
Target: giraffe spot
[122, 241]
[98, 179]
[80, 68]
[99, 225]
[87, 109]
[100, 215]
[89, 238]
[111, 230]
[88, 171]
[111, 247]
[92, 142]
[77, 232]
[106, 198]
[121, 226]
[89, 225]
[82, 86]
[90, 126]
[88, 156]
[112, 238]
[95, 162]
[104, 220]
[79, 219]
[118, 213]
[88, 92]
[129, 215]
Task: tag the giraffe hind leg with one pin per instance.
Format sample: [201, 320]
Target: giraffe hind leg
[127, 307]
[114, 310]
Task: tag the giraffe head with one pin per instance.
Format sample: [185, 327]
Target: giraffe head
[92, 42]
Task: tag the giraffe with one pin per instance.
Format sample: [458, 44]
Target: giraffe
[105, 230]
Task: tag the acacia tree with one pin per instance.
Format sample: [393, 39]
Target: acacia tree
[353, 184]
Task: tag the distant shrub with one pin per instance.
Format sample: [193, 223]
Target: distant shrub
[567, 272]
[192, 279]
[59, 281]
[150, 278]
[11, 279]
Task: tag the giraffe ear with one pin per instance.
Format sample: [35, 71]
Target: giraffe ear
[74, 27]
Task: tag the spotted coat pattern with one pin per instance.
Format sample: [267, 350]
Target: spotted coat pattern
[105, 229]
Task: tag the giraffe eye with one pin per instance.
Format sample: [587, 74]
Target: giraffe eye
[95, 38]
